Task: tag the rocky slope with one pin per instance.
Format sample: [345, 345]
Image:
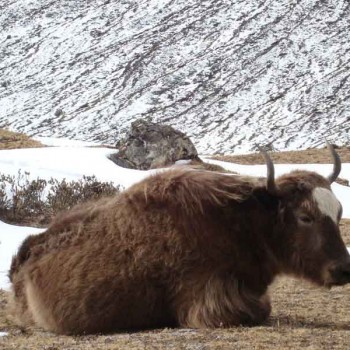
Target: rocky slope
[231, 74]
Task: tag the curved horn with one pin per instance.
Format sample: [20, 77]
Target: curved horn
[336, 163]
[270, 181]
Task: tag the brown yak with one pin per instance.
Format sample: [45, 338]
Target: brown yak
[183, 247]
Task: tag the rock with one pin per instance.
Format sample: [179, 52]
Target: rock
[58, 112]
[4, 84]
[149, 145]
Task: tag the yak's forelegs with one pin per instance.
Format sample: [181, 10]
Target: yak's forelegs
[221, 303]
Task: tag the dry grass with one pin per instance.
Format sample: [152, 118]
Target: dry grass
[12, 140]
[345, 230]
[309, 156]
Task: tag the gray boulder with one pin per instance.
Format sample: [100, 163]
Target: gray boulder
[149, 145]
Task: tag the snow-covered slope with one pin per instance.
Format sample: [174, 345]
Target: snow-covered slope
[229, 73]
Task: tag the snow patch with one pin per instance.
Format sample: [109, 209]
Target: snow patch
[10, 239]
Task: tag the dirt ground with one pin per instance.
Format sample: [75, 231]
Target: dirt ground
[303, 315]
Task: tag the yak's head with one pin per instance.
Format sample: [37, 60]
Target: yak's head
[308, 225]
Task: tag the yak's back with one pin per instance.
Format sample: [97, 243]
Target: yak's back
[65, 229]
[194, 190]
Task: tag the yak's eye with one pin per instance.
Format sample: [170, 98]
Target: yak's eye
[305, 219]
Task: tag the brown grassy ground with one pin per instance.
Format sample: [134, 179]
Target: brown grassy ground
[12, 140]
[309, 156]
[303, 316]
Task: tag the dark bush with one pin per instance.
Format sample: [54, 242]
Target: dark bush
[35, 202]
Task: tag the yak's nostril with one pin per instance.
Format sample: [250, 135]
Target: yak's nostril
[341, 274]
[344, 273]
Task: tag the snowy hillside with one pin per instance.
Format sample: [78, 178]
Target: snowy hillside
[230, 73]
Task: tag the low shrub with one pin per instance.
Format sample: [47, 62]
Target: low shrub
[34, 202]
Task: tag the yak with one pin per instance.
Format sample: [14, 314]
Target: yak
[184, 247]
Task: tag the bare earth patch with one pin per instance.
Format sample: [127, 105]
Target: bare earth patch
[12, 140]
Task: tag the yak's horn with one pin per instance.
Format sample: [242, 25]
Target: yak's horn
[336, 163]
[270, 181]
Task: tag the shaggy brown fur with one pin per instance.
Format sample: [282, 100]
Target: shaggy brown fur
[183, 247]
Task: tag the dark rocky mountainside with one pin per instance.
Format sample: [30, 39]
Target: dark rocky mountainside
[230, 74]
